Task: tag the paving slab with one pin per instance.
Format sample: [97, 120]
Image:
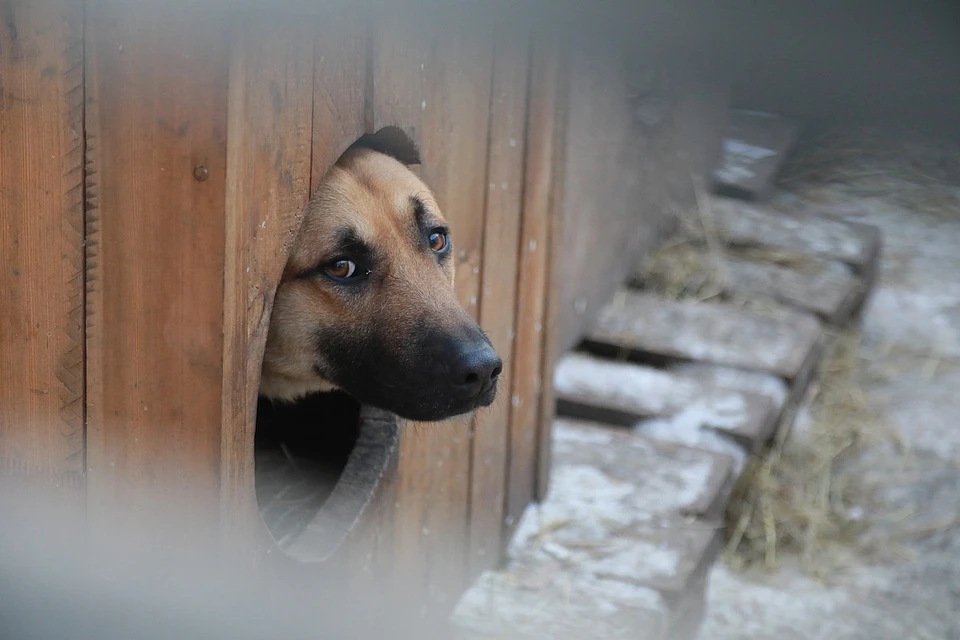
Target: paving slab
[779, 342]
[624, 393]
[755, 146]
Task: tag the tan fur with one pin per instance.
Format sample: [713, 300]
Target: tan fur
[369, 192]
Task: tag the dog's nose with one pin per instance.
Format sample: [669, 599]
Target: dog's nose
[475, 369]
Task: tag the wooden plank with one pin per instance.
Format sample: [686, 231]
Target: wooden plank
[828, 289]
[640, 133]
[642, 494]
[41, 241]
[340, 84]
[501, 240]
[755, 146]
[646, 487]
[533, 285]
[624, 393]
[556, 66]
[743, 224]
[606, 212]
[758, 383]
[674, 479]
[536, 599]
[432, 78]
[616, 528]
[779, 342]
[268, 171]
[156, 87]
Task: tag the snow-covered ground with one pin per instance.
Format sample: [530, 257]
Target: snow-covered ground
[911, 374]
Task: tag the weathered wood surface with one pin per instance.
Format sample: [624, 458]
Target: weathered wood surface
[755, 146]
[638, 139]
[533, 599]
[768, 385]
[156, 127]
[268, 184]
[341, 43]
[436, 85]
[490, 452]
[828, 289]
[624, 393]
[205, 131]
[552, 60]
[630, 497]
[616, 528]
[42, 321]
[533, 282]
[779, 342]
[744, 224]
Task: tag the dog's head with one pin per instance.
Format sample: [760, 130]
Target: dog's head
[366, 303]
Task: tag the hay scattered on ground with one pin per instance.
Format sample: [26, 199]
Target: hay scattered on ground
[682, 269]
[920, 177]
[805, 498]
[795, 499]
[799, 499]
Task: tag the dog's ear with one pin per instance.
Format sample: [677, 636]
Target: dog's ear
[393, 142]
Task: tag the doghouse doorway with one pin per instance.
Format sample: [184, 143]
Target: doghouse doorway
[319, 463]
[301, 450]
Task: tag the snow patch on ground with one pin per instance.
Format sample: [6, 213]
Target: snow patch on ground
[911, 371]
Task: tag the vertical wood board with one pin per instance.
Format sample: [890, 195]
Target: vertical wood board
[434, 83]
[41, 241]
[533, 284]
[501, 238]
[270, 111]
[156, 89]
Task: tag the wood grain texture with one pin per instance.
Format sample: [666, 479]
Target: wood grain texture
[341, 42]
[625, 393]
[41, 241]
[642, 130]
[270, 115]
[534, 281]
[777, 341]
[432, 78]
[607, 215]
[555, 63]
[156, 89]
[501, 240]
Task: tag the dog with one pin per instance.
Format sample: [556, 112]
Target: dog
[366, 303]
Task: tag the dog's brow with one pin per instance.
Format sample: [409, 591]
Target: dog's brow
[349, 242]
[419, 210]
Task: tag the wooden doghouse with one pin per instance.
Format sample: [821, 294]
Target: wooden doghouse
[155, 160]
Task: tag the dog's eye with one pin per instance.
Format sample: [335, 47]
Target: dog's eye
[341, 269]
[439, 241]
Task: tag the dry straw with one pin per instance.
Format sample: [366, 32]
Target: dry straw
[799, 498]
[923, 178]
